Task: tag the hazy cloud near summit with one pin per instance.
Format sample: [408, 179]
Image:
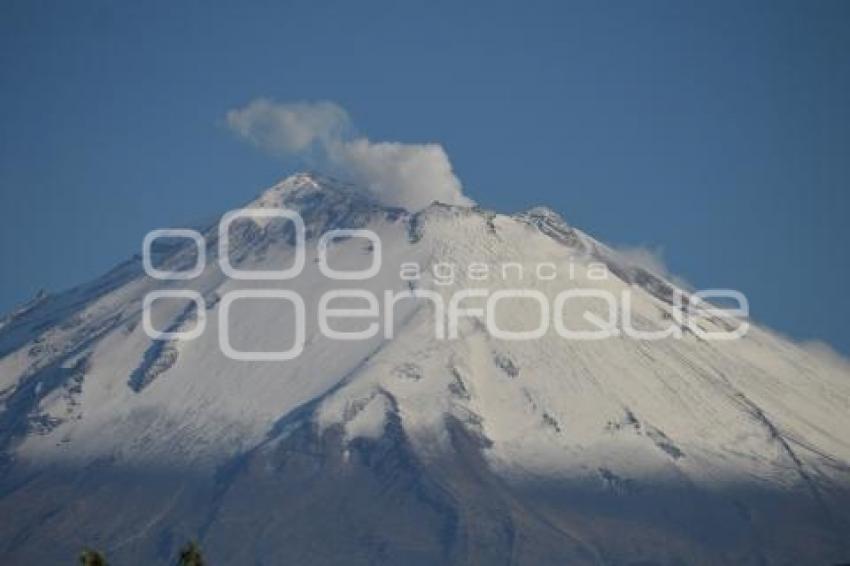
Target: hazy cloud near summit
[652, 260]
[399, 174]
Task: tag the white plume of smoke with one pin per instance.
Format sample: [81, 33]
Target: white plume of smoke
[289, 128]
[399, 174]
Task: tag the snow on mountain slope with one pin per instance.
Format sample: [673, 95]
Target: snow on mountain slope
[546, 450]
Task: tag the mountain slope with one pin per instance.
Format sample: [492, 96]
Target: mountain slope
[413, 449]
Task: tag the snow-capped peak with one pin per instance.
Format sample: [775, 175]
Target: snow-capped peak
[305, 187]
[635, 424]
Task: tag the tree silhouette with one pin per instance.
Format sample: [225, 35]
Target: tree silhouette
[190, 555]
[89, 557]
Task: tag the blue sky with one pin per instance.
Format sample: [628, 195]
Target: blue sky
[718, 132]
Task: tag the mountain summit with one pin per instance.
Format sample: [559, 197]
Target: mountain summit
[411, 445]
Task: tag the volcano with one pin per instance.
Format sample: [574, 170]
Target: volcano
[406, 446]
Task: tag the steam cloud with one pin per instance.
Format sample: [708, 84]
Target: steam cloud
[399, 174]
[652, 260]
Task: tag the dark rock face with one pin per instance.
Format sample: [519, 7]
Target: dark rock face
[305, 497]
[375, 502]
